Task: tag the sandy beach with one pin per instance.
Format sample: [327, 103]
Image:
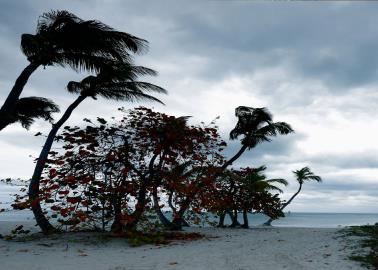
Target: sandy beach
[259, 248]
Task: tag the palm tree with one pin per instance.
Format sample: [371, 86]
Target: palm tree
[63, 39]
[303, 175]
[256, 126]
[242, 186]
[29, 108]
[257, 182]
[117, 82]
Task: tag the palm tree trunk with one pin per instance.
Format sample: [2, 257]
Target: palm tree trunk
[269, 222]
[42, 221]
[139, 208]
[179, 220]
[166, 223]
[234, 218]
[116, 226]
[14, 95]
[222, 215]
[235, 157]
[245, 220]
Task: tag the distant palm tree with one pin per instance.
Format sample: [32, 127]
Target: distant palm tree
[63, 39]
[118, 83]
[255, 182]
[302, 175]
[256, 126]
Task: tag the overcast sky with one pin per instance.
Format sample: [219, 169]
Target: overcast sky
[312, 64]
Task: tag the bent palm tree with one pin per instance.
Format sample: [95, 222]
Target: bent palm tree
[29, 108]
[257, 126]
[63, 39]
[302, 175]
[118, 83]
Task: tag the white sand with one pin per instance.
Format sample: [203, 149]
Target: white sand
[258, 248]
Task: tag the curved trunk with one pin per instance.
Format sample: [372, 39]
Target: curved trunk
[116, 226]
[6, 110]
[292, 198]
[235, 157]
[170, 196]
[179, 222]
[142, 196]
[178, 217]
[269, 222]
[189, 199]
[222, 215]
[42, 221]
[139, 208]
[234, 218]
[166, 223]
[245, 220]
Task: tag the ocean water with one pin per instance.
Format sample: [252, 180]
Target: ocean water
[315, 220]
[292, 219]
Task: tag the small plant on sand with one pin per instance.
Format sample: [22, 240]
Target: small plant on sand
[370, 240]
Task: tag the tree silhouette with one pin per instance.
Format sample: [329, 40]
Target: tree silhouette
[303, 175]
[256, 182]
[117, 82]
[256, 126]
[26, 110]
[63, 39]
[248, 190]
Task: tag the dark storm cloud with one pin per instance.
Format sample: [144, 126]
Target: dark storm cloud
[335, 44]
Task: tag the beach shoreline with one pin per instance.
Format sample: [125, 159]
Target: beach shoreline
[257, 248]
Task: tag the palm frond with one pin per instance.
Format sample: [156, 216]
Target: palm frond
[256, 125]
[118, 82]
[64, 39]
[278, 181]
[305, 174]
[29, 108]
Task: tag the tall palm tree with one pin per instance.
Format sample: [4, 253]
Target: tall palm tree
[117, 82]
[256, 126]
[303, 175]
[63, 39]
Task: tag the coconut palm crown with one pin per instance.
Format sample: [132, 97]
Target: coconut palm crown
[117, 82]
[64, 39]
[305, 174]
[257, 181]
[29, 108]
[257, 126]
